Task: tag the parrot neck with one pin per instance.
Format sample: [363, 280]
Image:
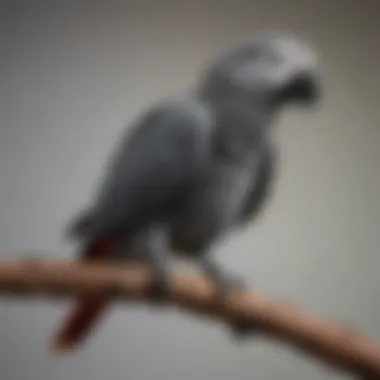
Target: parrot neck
[237, 104]
[220, 95]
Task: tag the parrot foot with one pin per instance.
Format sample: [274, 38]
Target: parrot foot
[225, 284]
[158, 291]
[239, 329]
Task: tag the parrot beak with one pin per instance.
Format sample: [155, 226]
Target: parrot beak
[304, 89]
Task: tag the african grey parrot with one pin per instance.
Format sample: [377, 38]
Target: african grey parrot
[194, 169]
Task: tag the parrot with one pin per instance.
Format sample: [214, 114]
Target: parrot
[191, 170]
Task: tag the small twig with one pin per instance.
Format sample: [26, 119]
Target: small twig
[331, 342]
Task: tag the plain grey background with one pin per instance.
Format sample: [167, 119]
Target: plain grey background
[75, 73]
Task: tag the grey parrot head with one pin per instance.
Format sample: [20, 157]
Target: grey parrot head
[273, 66]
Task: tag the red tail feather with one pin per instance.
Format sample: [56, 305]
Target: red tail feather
[87, 311]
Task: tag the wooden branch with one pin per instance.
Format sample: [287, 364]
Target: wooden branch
[331, 342]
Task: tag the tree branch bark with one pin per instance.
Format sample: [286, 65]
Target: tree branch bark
[333, 343]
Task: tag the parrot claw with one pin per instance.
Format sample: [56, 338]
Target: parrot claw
[241, 330]
[158, 290]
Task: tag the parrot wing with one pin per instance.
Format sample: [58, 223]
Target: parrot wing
[261, 188]
[153, 169]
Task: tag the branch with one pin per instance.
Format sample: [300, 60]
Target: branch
[334, 344]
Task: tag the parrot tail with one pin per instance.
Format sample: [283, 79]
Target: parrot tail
[87, 311]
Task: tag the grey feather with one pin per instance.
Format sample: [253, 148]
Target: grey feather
[262, 188]
[153, 169]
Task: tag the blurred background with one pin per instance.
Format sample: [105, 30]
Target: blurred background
[75, 73]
